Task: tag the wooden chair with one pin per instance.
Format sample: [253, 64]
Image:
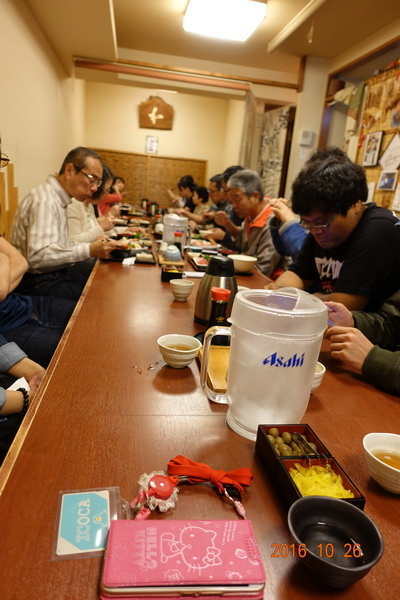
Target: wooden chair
[8, 200]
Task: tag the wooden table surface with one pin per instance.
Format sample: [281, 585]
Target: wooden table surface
[110, 409]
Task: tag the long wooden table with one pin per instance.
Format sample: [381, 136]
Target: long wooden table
[110, 409]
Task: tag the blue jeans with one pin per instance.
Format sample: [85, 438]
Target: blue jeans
[39, 335]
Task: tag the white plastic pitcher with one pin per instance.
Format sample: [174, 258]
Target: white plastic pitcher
[174, 223]
[276, 337]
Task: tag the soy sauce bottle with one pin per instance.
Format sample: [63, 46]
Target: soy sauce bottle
[218, 315]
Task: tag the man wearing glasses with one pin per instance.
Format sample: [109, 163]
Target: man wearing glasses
[40, 229]
[352, 251]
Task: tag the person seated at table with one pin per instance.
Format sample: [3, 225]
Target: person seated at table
[201, 203]
[368, 343]
[226, 175]
[219, 201]
[225, 217]
[254, 237]
[15, 364]
[40, 228]
[353, 249]
[83, 225]
[34, 323]
[185, 185]
[110, 205]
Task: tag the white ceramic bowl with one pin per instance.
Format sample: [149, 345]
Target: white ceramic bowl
[181, 288]
[172, 253]
[387, 477]
[175, 357]
[318, 375]
[204, 233]
[242, 262]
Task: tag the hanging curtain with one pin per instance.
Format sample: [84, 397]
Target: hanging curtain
[248, 131]
[272, 149]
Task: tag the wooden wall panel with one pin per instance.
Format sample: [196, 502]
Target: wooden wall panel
[150, 176]
[8, 200]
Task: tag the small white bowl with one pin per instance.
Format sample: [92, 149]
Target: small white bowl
[204, 233]
[318, 375]
[181, 289]
[387, 477]
[173, 355]
[242, 262]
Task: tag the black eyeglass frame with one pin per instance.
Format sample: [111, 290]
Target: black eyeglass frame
[4, 160]
[92, 178]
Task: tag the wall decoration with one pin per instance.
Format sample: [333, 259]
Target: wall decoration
[155, 113]
[379, 113]
[372, 146]
[390, 159]
[396, 199]
[151, 144]
[387, 181]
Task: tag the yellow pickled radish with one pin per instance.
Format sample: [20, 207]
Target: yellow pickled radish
[319, 481]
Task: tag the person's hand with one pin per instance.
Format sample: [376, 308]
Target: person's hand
[105, 223]
[216, 234]
[339, 314]
[102, 247]
[35, 381]
[113, 211]
[281, 209]
[208, 215]
[221, 218]
[271, 286]
[349, 345]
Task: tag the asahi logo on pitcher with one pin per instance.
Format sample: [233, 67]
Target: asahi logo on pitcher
[273, 360]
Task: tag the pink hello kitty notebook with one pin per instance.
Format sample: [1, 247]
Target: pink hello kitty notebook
[159, 558]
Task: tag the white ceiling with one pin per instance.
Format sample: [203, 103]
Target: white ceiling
[111, 29]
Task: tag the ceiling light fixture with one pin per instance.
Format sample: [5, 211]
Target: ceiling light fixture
[224, 19]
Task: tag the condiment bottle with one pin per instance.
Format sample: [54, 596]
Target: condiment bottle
[218, 315]
[178, 235]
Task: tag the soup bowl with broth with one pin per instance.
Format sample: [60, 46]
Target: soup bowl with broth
[382, 455]
[178, 350]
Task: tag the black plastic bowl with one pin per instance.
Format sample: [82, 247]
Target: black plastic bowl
[120, 253]
[335, 540]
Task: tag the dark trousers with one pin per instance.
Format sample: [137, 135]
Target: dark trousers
[64, 283]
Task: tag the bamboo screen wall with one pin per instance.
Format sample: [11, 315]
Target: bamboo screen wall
[149, 176]
[381, 113]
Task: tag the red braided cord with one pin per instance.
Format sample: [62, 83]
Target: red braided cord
[197, 472]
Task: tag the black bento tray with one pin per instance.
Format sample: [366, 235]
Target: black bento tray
[277, 467]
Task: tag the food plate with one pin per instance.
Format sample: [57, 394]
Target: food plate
[143, 255]
[195, 244]
[198, 260]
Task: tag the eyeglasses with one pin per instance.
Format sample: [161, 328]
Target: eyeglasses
[318, 227]
[92, 178]
[4, 160]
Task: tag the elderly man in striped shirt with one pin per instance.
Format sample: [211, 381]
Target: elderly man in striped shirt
[58, 266]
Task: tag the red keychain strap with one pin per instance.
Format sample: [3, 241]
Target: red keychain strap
[197, 472]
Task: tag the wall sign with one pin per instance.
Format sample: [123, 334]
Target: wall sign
[155, 113]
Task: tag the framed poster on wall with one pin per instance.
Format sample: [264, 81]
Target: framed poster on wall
[372, 146]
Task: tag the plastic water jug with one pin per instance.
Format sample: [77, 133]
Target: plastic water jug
[173, 223]
[276, 337]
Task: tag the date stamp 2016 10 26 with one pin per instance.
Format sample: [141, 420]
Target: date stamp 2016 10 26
[326, 550]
